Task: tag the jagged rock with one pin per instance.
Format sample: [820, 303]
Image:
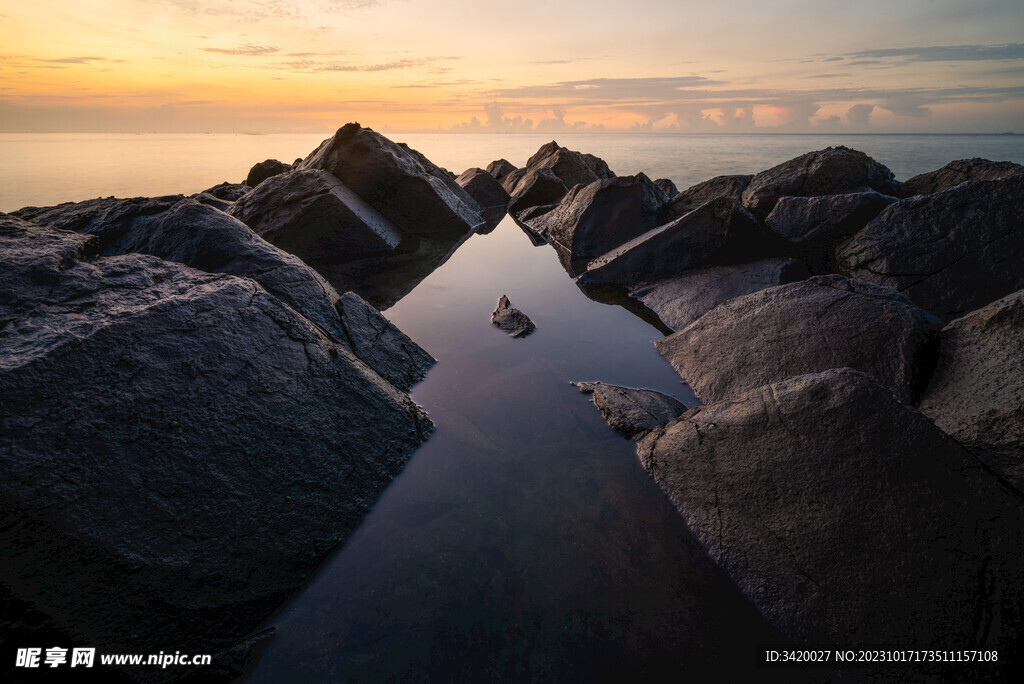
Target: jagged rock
[832, 171]
[632, 412]
[230, 192]
[691, 198]
[956, 172]
[382, 346]
[813, 226]
[593, 219]
[179, 449]
[537, 187]
[488, 193]
[264, 170]
[950, 252]
[718, 232]
[682, 299]
[977, 391]
[511, 320]
[806, 327]
[312, 215]
[500, 168]
[566, 166]
[847, 517]
[667, 187]
[400, 183]
[211, 201]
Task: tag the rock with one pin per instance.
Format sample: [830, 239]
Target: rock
[488, 193]
[264, 170]
[832, 171]
[211, 201]
[691, 198]
[667, 187]
[230, 192]
[950, 252]
[382, 346]
[499, 168]
[593, 219]
[400, 183]
[566, 166]
[537, 187]
[314, 216]
[806, 327]
[179, 449]
[977, 391]
[813, 226]
[511, 320]
[956, 172]
[847, 518]
[632, 412]
[682, 299]
[719, 232]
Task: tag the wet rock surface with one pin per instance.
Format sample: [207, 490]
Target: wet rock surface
[847, 517]
[252, 444]
[977, 392]
[950, 252]
[806, 327]
[632, 412]
[510, 319]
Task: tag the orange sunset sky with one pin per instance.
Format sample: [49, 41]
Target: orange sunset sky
[529, 66]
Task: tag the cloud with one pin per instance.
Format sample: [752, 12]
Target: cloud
[79, 60]
[613, 89]
[257, 10]
[907, 105]
[247, 49]
[947, 53]
[859, 115]
[310, 65]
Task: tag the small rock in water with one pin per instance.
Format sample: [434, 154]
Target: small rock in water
[510, 319]
[632, 412]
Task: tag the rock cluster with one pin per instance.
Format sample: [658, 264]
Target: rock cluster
[842, 510]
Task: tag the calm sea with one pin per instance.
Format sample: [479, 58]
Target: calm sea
[38, 169]
[523, 541]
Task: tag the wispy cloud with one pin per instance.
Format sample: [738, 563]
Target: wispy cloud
[79, 60]
[310, 65]
[947, 53]
[247, 49]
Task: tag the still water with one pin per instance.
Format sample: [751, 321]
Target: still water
[523, 540]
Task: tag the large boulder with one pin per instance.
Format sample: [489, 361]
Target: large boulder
[593, 219]
[811, 227]
[488, 193]
[806, 327]
[311, 214]
[538, 187]
[682, 299]
[632, 412]
[179, 450]
[977, 392]
[848, 518]
[500, 168]
[832, 171]
[950, 252]
[718, 232]
[684, 202]
[956, 172]
[567, 166]
[263, 170]
[399, 182]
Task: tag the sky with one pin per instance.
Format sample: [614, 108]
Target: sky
[537, 66]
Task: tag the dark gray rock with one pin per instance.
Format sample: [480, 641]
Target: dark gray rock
[950, 252]
[832, 171]
[977, 391]
[691, 198]
[214, 202]
[511, 179]
[179, 450]
[488, 193]
[956, 172]
[311, 214]
[667, 187]
[400, 183]
[806, 327]
[718, 232]
[813, 226]
[510, 319]
[230, 192]
[848, 518]
[593, 219]
[568, 167]
[263, 170]
[632, 412]
[538, 187]
[500, 168]
[682, 299]
[382, 346]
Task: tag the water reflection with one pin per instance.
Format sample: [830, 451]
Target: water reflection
[523, 540]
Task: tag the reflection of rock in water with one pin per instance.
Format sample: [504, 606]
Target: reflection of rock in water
[384, 280]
